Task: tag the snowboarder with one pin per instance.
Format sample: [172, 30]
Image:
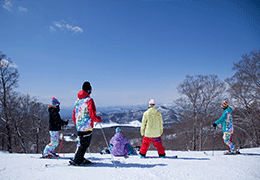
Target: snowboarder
[227, 127]
[84, 116]
[55, 124]
[119, 145]
[151, 130]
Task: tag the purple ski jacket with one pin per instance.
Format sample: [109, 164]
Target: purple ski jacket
[119, 142]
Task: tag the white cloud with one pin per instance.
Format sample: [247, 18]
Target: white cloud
[23, 9]
[58, 24]
[63, 25]
[6, 63]
[8, 5]
[75, 29]
[52, 29]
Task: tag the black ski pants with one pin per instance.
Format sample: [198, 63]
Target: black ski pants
[85, 138]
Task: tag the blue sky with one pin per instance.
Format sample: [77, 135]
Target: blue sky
[130, 51]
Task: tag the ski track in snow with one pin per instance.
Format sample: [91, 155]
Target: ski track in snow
[188, 165]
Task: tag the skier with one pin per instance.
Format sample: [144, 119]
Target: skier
[55, 123]
[227, 127]
[119, 145]
[151, 130]
[84, 115]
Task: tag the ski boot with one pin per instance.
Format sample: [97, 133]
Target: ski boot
[142, 155]
[54, 154]
[162, 156]
[85, 162]
[47, 156]
[230, 153]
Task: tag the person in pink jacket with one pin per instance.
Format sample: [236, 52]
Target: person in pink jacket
[84, 116]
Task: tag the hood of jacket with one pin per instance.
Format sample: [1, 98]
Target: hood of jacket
[229, 109]
[54, 108]
[82, 94]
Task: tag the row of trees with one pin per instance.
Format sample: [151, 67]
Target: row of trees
[202, 96]
[23, 120]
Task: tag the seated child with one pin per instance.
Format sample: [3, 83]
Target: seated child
[119, 145]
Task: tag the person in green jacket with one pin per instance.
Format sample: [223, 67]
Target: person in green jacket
[151, 130]
[227, 127]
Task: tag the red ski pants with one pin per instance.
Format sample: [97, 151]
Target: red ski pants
[157, 142]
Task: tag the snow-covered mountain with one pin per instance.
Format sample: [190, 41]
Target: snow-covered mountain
[67, 111]
[120, 109]
[131, 115]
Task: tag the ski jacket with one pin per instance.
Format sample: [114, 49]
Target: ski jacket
[152, 124]
[84, 112]
[226, 121]
[119, 145]
[55, 122]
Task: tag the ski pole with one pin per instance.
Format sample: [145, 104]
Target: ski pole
[62, 142]
[90, 154]
[214, 130]
[112, 159]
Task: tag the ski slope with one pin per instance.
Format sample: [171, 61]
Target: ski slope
[188, 166]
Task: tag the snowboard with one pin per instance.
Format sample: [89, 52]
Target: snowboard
[157, 157]
[228, 153]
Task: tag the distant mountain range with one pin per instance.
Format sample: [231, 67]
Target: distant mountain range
[126, 115]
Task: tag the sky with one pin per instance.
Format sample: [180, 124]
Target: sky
[130, 51]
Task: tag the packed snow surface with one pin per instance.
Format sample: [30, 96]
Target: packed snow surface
[188, 165]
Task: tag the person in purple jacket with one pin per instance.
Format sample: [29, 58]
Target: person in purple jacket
[119, 145]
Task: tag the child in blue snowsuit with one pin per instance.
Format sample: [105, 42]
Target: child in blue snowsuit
[227, 127]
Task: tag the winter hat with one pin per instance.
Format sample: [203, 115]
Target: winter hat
[151, 103]
[86, 87]
[224, 104]
[55, 101]
[118, 130]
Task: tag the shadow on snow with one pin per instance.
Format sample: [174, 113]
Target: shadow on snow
[249, 154]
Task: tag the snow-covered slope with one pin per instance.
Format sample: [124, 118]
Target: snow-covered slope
[188, 165]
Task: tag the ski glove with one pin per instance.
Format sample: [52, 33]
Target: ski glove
[214, 125]
[66, 122]
[99, 119]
